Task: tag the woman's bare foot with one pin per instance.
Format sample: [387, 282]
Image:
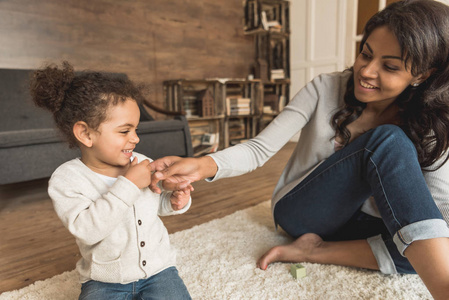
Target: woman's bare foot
[298, 251]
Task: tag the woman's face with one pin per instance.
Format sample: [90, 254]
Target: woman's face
[380, 74]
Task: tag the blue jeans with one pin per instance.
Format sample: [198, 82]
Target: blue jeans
[164, 285]
[382, 163]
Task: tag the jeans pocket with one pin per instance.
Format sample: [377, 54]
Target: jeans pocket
[106, 271]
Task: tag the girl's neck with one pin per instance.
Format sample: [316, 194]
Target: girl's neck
[104, 169]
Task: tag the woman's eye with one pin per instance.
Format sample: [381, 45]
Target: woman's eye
[391, 68]
[124, 132]
[365, 55]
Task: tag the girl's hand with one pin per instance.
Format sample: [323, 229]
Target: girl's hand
[139, 173]
[180, 198]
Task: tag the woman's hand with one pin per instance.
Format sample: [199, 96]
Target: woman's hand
[177, 173]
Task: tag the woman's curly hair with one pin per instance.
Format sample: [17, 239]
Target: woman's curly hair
[84, 96]
[422, 30]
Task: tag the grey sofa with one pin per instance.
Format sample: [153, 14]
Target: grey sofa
[32, 148]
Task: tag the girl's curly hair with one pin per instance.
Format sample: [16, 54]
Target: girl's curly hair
[84, 96]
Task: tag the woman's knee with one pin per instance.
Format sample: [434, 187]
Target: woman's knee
[391, 132]
[391, 138]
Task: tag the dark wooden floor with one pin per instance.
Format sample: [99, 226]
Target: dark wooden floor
[34, 245]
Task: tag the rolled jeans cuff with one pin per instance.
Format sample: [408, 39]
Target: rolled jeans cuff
[422, 230]
[383, 257]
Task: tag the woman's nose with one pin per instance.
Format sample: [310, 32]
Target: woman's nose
[370, 69]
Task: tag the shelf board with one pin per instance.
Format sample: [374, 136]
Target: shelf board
[219, 117]
[260, 30]
[240, 116]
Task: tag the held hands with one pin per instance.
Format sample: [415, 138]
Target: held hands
[139, 173]
[177, 173]
[180, 198]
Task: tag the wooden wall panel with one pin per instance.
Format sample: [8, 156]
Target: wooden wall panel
[151, 41]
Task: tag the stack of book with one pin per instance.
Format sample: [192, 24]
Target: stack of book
[190, 105]
[273, 103]
[277, 74]
[237, 106]
[236, 129]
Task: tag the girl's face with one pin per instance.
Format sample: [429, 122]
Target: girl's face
[115, 140]
[380, 74]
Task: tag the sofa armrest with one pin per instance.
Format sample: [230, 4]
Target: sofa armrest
[164, 138]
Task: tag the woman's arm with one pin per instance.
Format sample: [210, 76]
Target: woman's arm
[246, 157]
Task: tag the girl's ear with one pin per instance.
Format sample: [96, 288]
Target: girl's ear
[82, 133]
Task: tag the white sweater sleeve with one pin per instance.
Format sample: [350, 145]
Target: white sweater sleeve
[165, 209]
[90, 220]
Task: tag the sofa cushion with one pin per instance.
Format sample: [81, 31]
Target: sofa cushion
[16, 138]
[18, 112]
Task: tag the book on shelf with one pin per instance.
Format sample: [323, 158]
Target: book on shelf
[271, 100]
[236, 142]
[237, 129]
[274, 103]
[277, 74]
[282, 102]
[210, 139]
[190, 105]
[239, 111]
[209, 144]
[200, 127]
[267, 109]
[238, 106]
[263, 18]
[236, 124]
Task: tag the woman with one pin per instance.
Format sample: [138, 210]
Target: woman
[368, 183]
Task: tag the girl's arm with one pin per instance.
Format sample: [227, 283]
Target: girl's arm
[89, 216]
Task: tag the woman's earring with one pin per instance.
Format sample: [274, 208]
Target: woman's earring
[415, 84]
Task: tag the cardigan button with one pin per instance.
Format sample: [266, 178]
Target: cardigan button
[144, 263]
[139, 222]
[142, 244]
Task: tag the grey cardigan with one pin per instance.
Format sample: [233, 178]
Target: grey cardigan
[310, 112]
[117, 228]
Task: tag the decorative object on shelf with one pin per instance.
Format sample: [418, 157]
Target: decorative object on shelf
[271, 37]
[266, 15]
[261, 69]
[205, 102]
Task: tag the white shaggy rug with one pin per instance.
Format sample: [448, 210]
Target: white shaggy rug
[217, 260]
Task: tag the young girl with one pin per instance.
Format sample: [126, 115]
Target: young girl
[368, 183]
[103, 197]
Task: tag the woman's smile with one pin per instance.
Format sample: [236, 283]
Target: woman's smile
[367, 85]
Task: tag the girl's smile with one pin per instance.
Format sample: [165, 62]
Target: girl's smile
[114, 141]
